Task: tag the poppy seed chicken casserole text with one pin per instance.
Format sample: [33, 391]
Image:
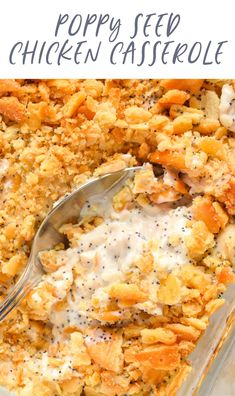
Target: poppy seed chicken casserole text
[119, 311]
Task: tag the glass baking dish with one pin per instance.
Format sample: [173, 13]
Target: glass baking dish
[210, 359]
[215, 347]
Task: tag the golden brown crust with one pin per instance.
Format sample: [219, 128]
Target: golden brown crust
[161, 357]
[11, 108]
[54, 135]
[108, 354]
[188, 85]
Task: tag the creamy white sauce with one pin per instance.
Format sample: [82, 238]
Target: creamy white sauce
[4, 166]
[120, 240]
[108, 253]
[48, 372]
[227, 107]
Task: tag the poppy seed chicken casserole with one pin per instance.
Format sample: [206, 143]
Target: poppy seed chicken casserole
[120, 309]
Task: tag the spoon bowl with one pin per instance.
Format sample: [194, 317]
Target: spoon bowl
[67, 210]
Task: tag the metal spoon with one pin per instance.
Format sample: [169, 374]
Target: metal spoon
[47, 236]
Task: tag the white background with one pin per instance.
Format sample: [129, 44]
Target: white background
[36, 20]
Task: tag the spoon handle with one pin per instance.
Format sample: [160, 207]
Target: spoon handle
[30, 277]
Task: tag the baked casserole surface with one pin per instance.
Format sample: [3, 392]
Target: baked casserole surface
[118, 320]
